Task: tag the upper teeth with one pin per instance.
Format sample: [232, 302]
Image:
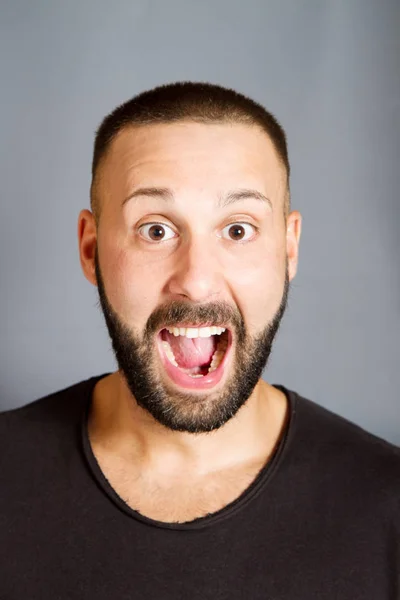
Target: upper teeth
[195, 332]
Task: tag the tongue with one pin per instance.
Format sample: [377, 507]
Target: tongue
[191, 353]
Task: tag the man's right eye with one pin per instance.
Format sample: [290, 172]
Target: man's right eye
[156, 232]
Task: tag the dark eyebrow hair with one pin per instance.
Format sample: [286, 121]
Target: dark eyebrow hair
[151, 192]
[237, 195]
[229, 198]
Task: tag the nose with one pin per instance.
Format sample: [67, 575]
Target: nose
[196, 273]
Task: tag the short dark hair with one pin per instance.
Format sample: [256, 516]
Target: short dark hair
[187, 101]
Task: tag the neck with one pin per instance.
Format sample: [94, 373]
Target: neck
[125, 430]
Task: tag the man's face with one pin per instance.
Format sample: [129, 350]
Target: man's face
[191, 237]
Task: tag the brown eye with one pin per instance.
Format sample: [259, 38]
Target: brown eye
[238, 232]
[156, 232]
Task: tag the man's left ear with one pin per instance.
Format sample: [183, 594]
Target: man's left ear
[293, 233]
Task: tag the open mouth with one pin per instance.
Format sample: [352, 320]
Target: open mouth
[195, 357]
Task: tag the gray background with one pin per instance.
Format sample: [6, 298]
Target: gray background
[329, 70]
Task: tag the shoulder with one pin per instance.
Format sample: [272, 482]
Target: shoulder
[344, 457]
[334, 433]
[28, 429]
[51, 406]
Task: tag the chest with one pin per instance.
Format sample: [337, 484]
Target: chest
[277, 546]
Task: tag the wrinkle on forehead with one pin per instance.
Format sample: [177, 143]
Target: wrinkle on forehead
[194, 155]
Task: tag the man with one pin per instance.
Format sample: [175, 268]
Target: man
[184, 474]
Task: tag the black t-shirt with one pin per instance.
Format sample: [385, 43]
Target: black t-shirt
[320, 521]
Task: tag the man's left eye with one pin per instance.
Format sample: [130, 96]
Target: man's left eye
[239, 232]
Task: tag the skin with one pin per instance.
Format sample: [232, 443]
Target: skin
[199, 164]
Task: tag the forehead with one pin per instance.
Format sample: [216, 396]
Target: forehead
[188, 154]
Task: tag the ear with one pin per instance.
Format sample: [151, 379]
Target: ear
[87, 239]
[293, 232]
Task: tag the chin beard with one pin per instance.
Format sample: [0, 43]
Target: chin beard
[138, 361]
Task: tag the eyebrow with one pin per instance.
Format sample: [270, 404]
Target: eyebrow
[151, 192]
[242, 194]
[223, 201]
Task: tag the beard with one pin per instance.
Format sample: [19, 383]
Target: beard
[137, 359]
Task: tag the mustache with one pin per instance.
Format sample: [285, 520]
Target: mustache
[220, 314]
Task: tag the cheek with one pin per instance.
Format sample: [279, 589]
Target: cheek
[130, 288]
[257, 285]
